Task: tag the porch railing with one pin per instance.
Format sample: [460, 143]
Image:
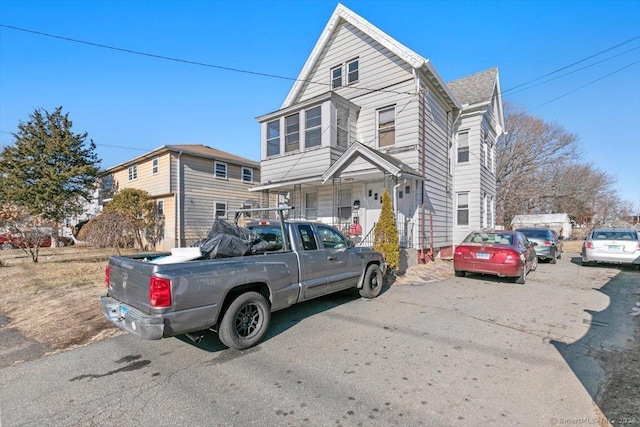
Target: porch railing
[405, 235]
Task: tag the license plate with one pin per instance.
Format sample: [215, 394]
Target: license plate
[123, 310]
[482, 255]
[615, 248]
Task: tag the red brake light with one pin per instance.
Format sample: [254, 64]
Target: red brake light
[159, 292]
[107, 272]
[461, 250]
[588, 244]
[264, 223]
[512, 256]
[547, 243]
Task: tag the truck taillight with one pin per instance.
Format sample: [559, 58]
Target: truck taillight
[588, 244]
[159, 292]
[107, 272]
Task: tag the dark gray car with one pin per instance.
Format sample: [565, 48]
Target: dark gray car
[548, 243]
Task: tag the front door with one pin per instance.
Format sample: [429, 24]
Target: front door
[372, 204]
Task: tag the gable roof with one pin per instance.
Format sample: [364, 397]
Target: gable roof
[198, 150]
[378, 159]
[344, 14]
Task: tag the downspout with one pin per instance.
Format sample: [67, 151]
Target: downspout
[422, 147]
[179, 201]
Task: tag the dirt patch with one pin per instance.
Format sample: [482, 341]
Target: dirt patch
[439, 269]
[619, 398]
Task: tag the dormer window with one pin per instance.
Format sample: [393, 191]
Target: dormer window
[349, 69]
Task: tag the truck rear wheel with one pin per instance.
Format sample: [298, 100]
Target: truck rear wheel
[373, 281]
[245, 322]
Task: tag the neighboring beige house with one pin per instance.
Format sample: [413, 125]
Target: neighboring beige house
[191, 186]
[366, 113]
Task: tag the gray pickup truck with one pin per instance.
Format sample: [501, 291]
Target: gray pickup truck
[235, 296]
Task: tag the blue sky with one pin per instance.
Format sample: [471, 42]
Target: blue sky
[130, 103]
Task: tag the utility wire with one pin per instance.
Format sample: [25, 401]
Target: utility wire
[185, 61]
[571, 65]
[574, 71]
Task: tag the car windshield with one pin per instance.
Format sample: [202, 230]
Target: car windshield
[615, 235]
[536, 234]
[490, 238]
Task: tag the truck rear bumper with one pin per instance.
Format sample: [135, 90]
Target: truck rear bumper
[132, 320]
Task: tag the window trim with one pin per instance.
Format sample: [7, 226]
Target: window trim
[348, 73]
[215, 209]
[215, 170]
[287, 134]
[466, 193]
[155, 165]
[458, 151]
[274, 139]
[160, 208]
[333, 79]
[133, 172]
[244, 169]
[313, 128]
[388, 128]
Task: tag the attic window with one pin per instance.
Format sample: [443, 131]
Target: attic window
[336, 77]
[352, 71]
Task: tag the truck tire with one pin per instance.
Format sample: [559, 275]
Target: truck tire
[245, 322]
[373, 281]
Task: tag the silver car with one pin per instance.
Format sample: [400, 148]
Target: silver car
[612, 245]
[548, 244]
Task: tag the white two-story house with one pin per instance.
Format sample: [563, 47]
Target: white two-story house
[366, 114]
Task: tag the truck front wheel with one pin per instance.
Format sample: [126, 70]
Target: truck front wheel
[245, 322]
[373, 281]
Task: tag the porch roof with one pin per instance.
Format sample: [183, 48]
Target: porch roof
[380, 160]
[271, 185]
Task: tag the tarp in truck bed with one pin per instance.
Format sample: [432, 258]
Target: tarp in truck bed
[227, 239]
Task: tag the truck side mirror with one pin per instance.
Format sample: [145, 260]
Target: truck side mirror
[351, 244]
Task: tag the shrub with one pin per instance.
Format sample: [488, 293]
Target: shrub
[385, 238]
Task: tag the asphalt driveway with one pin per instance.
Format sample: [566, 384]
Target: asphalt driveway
[465, 351]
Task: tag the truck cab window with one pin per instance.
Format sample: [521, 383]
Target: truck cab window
[308, 239]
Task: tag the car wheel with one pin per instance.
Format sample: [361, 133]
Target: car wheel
[245, 322]
[373, 281]
[553, 257]
[60, 243]
[459, 273]
[523, 277]
[534, 266]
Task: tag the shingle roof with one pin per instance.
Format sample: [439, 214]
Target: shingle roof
[206, 151]
[475, 88]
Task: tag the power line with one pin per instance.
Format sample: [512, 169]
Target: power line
[185, 61]
[571, 65]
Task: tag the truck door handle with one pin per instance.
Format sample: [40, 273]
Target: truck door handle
[331, 258]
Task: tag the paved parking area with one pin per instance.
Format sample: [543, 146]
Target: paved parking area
[464, 351]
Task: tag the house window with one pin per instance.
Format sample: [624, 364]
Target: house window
[352, 71]
[311, 206]
[247, 175]
[273, 138]
[463, 147]
[155, 165]
[463, 208]
[313, 130]
[160, 208]
[220, 170]
[387, 126]
[336, 77]
[220, 210]
[343, 126]
[133, 172]
[292, 133]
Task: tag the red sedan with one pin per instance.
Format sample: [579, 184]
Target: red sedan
[8, 241]
[500, 253]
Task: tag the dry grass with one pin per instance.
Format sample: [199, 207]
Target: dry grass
[55, 301]
[572, 246]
